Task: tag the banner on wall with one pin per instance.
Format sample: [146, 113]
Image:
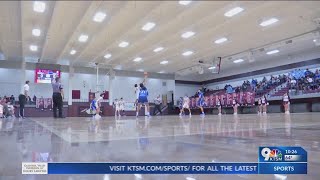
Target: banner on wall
[44, 103]
[129, 106]
[243, 98]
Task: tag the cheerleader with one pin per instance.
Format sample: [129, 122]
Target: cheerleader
[259, 106]
[219, 106]
[235, 106]
[264, 103]
[286, 103]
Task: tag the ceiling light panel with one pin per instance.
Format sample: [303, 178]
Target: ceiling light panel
[233, 11]
[158, 49]
[164, 62]
[36, 32]
[148, 26]
[39, 6]
[123, 44]
[33, 48]
[269, 22]
[187, 53]
[238, 61]
[107, 56]
[83, 38]
[99, 16]
[272, 52]
[185, 3]
[221, 40]
[187, 34]
[137, 59]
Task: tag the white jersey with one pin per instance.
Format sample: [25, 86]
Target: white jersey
[121, 104]
[263, 100]
[286, 98]
[218, 103]
[117, 103]
[186, 102]
[98, 101]
[234, 102]
[137, 91]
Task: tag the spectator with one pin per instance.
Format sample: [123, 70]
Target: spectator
[12, 99]
[34, 99]
[29, 100]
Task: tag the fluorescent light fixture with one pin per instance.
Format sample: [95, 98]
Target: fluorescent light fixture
[123, 44]
[36, 32]
[141, 70]
[164, 62]
[107, 56]
[187, 53]
[184, 2]
[238, 61]
[33, 48]
[269, 22]
[148, 26]
[314, 40]
[187, 34]
[273, 52]
[99, 16]
[83, 38]
[158, 49]
[233, 11]
[161, 72]
[137, 59]
[221, 40]
[39, 6]
[72, 52]
[212, 67]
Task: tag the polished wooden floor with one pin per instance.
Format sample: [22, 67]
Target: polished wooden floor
[225, 138]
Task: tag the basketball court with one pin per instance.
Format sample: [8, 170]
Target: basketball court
[225, 138]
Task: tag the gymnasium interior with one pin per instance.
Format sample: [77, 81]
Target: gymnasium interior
[234, 52]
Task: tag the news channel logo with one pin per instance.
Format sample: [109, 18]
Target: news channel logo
[271, 155]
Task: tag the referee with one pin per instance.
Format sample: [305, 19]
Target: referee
[57, 97]
[23, 98]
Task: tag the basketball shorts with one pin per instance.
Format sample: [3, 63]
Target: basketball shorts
[200, 102]
[186, 105]
[142, 100]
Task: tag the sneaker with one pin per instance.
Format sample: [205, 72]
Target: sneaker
[202, 114]
[180, 114]
[219, 114]
[235, 113]
[189, 115]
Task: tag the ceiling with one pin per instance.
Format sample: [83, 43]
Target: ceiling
[63, 22]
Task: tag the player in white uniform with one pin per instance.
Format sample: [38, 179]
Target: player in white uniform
[286, 103]
[186, 102]
[117, 106]
[136, 93]
[121, 102]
